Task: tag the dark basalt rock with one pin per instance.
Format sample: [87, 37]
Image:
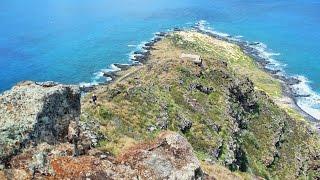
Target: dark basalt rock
[141, 53]
[241, 162]
[114, 92]
[162, 123]
[288, 80]
[137, 52]
[210, 123]
[254, 43]
[157, 39]
[47, 84]
[123, 66]
[276, 71]
[161, 34]
[149, 44]
[301, 95]
[243, 100]
[87, 88]
[142, 56]
[110, 74]
[282, 78]
[217, 152]
[243, 92]
[263, 62]
[201, 88]
[293, 81]
[148, 48]
[185, 124]
[177, 29]
[140, 59]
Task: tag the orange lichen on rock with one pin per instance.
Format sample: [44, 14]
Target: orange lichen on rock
[68, 167]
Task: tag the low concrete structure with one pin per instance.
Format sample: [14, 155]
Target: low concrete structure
[193, 57]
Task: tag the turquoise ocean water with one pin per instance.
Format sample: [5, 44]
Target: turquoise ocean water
[72, 41]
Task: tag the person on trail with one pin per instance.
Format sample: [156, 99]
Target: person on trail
[94, 99]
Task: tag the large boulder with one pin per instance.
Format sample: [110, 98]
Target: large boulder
[31, 113]
[170, 157]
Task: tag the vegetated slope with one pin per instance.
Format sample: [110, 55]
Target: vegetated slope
[227, 108]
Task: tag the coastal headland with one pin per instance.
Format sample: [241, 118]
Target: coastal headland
[193, 106]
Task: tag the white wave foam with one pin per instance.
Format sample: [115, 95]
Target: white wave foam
[95, 80]
[263, 50]
[310, 103]
[114, 68]
[141, 45]
[98, 75]
[203, 25]
[132, 56]
[238, 36]
[265, 53]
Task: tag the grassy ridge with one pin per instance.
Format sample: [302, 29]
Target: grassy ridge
[238, 123]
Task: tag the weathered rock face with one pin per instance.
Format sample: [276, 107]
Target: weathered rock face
[170, 156]
[36, 112]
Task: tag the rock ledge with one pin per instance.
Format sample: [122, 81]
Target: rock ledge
[31, 113]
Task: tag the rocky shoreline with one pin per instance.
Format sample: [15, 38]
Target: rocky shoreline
[286, 81]
[141, 56]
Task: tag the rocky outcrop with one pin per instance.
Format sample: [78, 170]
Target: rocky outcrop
[31, 113]
[170, 156]
[201, 88]
[41, 137]
[185, 124]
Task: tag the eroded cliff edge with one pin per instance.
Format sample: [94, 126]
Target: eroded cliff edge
[196, 108]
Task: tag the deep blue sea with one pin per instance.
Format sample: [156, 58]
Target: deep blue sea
[70, 41]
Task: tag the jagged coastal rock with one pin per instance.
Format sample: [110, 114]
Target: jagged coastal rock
[169, 157]
[32, 112]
